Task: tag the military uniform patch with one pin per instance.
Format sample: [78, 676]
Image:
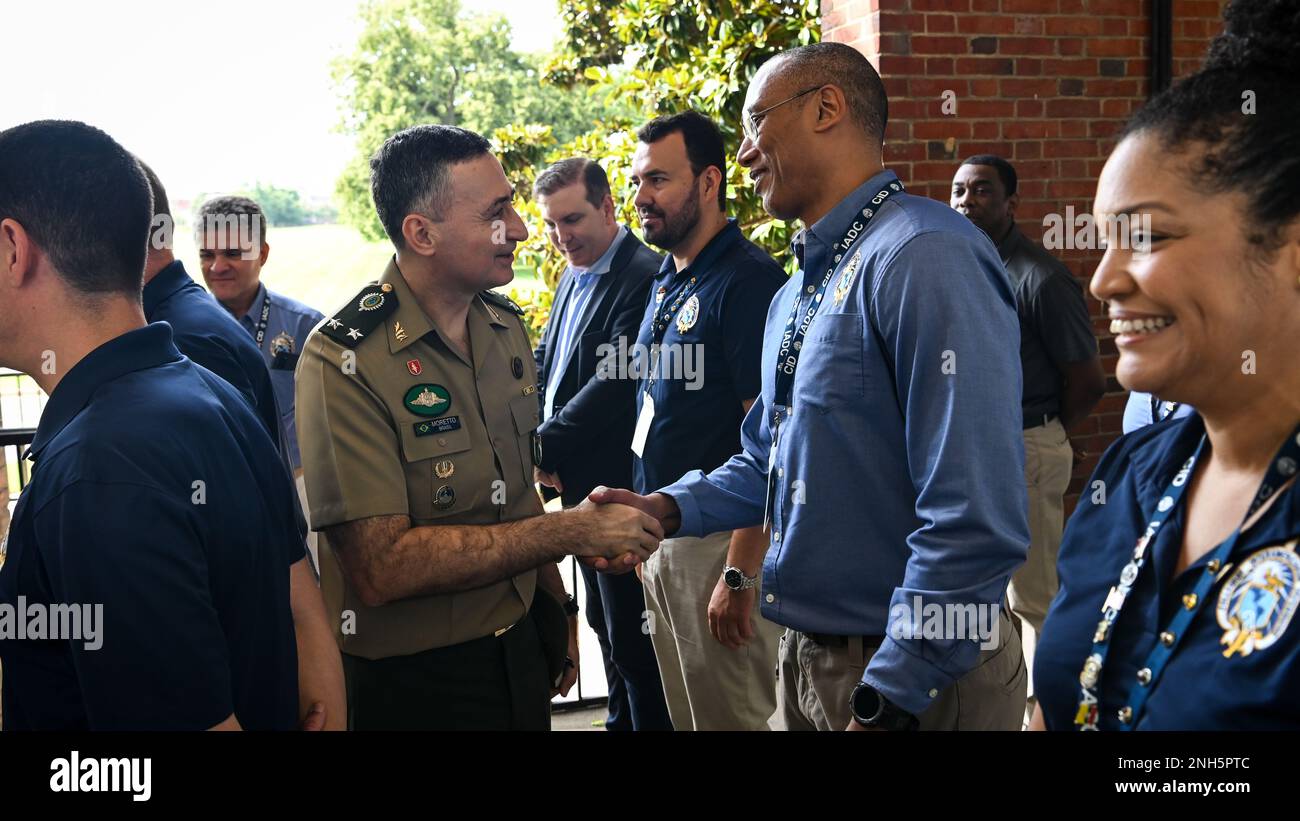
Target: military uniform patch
[429, 427]
[1258, 600]
[427, 400]
[361, 315]
[501, 300]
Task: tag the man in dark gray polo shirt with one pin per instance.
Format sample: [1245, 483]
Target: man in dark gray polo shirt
[1063, 379]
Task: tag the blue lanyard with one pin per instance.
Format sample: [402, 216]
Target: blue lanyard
[787, 357]
[659, 328]
[1280, 470]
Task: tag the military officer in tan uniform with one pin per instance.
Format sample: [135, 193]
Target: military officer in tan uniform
[417, 411]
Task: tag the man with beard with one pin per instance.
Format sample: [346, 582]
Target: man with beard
[704, 330]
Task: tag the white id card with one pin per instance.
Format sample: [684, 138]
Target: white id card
[643, 424]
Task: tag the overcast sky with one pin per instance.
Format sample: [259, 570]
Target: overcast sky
[212, 95]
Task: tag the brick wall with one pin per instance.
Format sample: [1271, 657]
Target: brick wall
[1044, 83]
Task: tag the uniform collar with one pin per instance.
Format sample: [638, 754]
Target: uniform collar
[411, 319]
[832, 226]
[136, 350]
[165, 283]
[724, 239]
[254, 312]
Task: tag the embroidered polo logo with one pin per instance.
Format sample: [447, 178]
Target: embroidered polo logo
[1257, 602]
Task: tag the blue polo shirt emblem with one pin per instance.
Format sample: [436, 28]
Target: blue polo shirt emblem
[1258, 601]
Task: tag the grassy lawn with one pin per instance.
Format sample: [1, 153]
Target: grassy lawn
[320, 265]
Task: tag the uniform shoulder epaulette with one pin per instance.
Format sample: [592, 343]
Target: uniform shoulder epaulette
[501, 300]
[361, 315]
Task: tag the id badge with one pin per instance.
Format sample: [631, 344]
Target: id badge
[643, 424]
[770, 502]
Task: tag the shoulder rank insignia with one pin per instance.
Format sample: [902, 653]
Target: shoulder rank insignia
[501, 300]
[363, 314]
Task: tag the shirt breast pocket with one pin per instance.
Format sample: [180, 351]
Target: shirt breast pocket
[441, 479]
[527, 416]
[831, 374]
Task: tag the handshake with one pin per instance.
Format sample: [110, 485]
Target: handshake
[614, 530]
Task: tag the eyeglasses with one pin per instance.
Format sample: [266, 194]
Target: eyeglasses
[749, 122]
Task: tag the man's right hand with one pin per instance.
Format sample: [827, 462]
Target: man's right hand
[617, 536]
[659, 505]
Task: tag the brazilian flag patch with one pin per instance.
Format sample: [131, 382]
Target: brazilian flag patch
[429, 427]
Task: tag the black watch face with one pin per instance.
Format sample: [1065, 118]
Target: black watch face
[733, 578]
[866, 703]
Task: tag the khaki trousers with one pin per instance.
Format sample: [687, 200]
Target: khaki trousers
[814, 683]
[1049, 459]
[707, 686]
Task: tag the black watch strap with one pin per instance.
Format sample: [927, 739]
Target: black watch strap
[870, 708]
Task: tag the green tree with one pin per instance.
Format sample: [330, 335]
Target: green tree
[425, 61]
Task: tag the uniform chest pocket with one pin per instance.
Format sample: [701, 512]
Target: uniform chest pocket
[831, 373]
[527, 415]
[440, 479]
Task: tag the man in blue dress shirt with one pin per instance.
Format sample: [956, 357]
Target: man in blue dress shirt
[158, 508]
[888, 443]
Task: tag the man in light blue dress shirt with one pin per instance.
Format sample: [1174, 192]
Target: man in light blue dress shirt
[895, 494]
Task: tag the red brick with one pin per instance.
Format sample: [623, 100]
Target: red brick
[986, 24]
[927, 44]
[1026, 45]
[940, 23]
[938, 65]
[1028, 150]
[1115, 108]
[1030, 6]
[1115, 47]
[941, 5]
[1070, 148]
[1029, 25]
[984, 88]
[1015, 87]
[1057, 26]
[1068, 46]
[1002, 149]
[1138, 26]
[896, 23]
[935, 87]
[1032, 66]
[909, 150]
[1114, 8]
[941, 129]
[985, 5]
[984, 65]
[1022, 129]
[1074, 128]
[984, 130]
[1029, 108]
[904, 66]
[988, 108]
[1073, 107]
[1112, 88]
[1035, 170]
[1076, 67]
[1067, 170]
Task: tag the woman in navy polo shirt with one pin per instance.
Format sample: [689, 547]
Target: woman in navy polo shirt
[1180, 570]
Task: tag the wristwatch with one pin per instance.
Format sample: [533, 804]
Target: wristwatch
[570, 605]
[870, 708]
[736, 579]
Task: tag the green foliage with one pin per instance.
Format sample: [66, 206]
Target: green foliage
[424, 61]
[670, 55]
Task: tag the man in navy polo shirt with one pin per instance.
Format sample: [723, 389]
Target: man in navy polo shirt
[702, 336]
[158, 510]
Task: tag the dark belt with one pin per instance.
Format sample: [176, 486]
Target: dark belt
[1037, 420]
[828, 640]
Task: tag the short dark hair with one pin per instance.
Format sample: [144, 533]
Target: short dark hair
[408, 174]
[1251, 152]
[82, 198]
[704, 145]
[820, 64]
[1006, 171]
[161, 205]
[228, 207]
[566, 172]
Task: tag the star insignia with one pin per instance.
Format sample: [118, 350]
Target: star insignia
[334, 323]
[354, 333]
